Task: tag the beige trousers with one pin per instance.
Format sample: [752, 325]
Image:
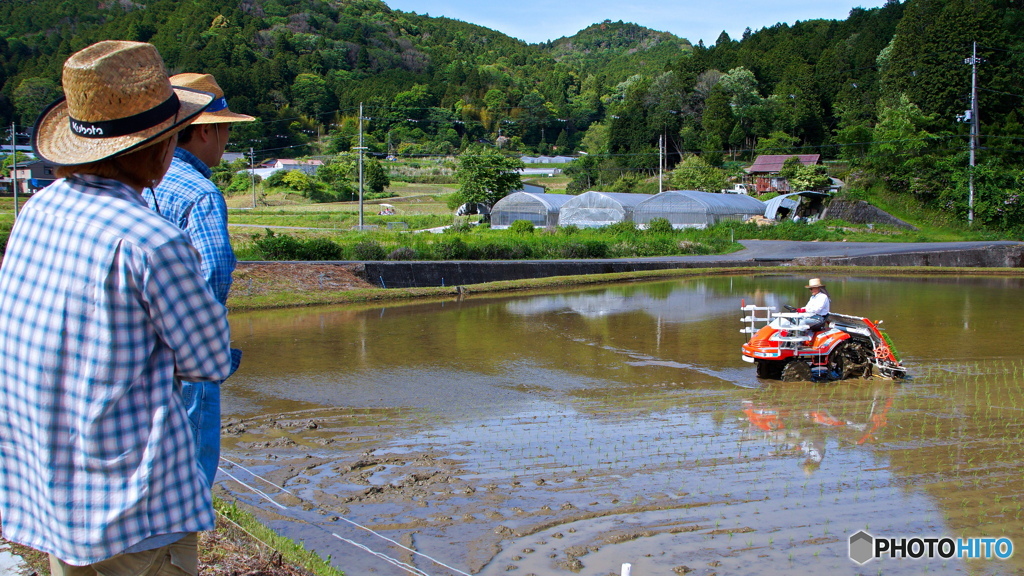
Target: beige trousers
[178, 559]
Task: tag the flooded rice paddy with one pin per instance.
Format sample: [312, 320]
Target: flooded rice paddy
[572, 432]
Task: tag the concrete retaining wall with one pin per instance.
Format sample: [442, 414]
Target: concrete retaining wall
[991, 257]
[421, 274]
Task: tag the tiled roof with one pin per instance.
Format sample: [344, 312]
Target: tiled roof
[772, 163]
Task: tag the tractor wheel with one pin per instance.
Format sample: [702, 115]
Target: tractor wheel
[796, 371]
[768, 369]
[850, 359]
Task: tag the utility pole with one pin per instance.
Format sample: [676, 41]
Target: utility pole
[973, 61]
[361, 148]
[661, 162]
[252, 175]
[14, 171]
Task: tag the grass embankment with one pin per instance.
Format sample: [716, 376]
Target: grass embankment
[240, 544]
[285, 299]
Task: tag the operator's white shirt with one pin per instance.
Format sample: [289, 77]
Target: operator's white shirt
[818, 304]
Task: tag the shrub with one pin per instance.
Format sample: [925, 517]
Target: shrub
[585, 249]
[656, 246]
[402, 253]
[275, 179]
[569, 230]
[5, 233]
[241, 182]
[276, 246]
[660, 226]
[451, 249]
[505, 251]
[459, 228]
[520, 252]
[368, 250]
[521, 227]
[321, 249]
[625, 228]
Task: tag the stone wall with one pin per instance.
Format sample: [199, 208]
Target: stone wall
[860, 212]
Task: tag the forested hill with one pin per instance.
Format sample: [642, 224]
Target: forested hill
[881, 89]
[618, 50]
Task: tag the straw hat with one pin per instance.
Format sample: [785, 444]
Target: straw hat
[117, 98]
[814, 283]
[217, 112]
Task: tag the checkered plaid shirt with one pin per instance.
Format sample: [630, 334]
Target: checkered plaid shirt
[103, 306]
[188, 198]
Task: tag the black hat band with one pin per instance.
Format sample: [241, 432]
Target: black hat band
[125, 126]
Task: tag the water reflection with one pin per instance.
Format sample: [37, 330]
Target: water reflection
[806, 430]
[619, 423]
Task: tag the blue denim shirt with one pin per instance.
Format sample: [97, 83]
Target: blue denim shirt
[191, 201]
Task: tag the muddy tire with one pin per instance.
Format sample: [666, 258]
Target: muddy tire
[796, 371]
[850, 359]
[769, 369]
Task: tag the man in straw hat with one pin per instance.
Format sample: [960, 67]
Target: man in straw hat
[189, 199]
[818, 306]
[105, 307]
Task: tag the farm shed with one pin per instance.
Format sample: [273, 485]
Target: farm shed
[693, 209]
[595, 209]
[806, 205]
[539, 208]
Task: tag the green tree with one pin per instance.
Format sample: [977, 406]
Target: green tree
[694, 173]
[595, 139]
[310, 95]
[777, 142]
[801, 177]
[32, 95]
[748, 106]
[900, 136]
[485, 175]
[375, 176]
[718, 119]
[11, 160]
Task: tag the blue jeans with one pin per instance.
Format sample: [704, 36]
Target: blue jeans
[202, 402]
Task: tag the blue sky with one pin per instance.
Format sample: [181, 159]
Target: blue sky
[541, 20]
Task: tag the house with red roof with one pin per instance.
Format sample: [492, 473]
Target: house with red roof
[766, 167]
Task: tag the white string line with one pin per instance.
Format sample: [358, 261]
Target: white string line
[254, 489]
[456, 570]
[388, 559]
[254, 474]
[356, 524]
[378, 555]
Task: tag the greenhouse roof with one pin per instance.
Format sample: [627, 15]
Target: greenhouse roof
[713, 202]
[595, 198]
[550, 201]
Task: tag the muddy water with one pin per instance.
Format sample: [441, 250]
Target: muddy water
[573, 432]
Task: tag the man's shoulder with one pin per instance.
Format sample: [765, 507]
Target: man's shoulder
[119, 215]
[183, 179]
